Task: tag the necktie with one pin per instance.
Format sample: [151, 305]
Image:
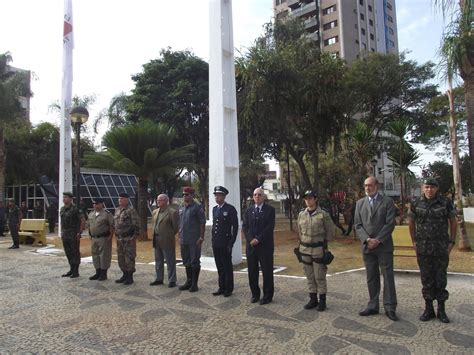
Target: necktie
[257, 210]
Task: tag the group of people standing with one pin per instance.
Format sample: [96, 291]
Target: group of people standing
[431, 219]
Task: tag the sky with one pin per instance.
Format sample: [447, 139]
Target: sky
[114, 38]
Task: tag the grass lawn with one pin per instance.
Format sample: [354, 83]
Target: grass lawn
[345, 249]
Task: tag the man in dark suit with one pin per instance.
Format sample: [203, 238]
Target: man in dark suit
[258, 226]
[374, 222]
[225, 226]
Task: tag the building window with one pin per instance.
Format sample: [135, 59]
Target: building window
[372, 37]
[390, 30]
[330, 41]
[370, 8]
[371, 23]
[357, 41]
[328, 26]
[389, 18]
[279, 2]
[329, 10]
[334, 55]
[389, 6]
[361, 2]
[362, 17]
[364, 46]
[372, 49]
[362, 30]
[392, 43]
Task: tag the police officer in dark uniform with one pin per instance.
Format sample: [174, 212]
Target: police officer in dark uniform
[428, 219]
[225, 226]
[72, 224]
[14, 217]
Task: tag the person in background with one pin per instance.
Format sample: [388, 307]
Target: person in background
[14, 217]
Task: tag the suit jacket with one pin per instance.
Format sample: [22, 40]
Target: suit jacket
[167, 220]
[377, 222]
[259, 225]
[225, 226]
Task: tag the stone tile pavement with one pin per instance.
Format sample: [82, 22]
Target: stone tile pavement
[42, 312]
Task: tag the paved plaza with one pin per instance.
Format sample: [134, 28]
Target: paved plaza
[42, 312]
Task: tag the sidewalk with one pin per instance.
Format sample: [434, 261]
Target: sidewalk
[42, 312]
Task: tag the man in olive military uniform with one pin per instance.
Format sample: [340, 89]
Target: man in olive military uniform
[192, 224]
[127, 230]
[315, 229]
[14, 217]
[429, 218]
[72, 224]
[225, 226]
[101, 228]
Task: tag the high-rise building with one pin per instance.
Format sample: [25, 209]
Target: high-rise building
[346, 28]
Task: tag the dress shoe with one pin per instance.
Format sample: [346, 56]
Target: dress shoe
[14, 247]
[264, 301]
[217, 293]
[67, 274]
[391, 315]
[156, 283]
[227, 294]
[172, 284]
[254, 299]
[368, 312]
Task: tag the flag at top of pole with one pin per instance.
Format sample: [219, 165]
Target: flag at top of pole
[65, 156]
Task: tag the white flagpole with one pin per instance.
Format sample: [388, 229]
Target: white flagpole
[65, 159]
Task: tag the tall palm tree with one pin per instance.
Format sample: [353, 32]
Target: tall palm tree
[144, 149]
[457, 52]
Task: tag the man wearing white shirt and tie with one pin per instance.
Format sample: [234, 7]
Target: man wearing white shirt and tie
[374, 222]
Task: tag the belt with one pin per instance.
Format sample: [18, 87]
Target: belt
[312, 245]
[102, 235]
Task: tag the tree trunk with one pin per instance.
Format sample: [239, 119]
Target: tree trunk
[463, 244]
[143, 208]
[315, 159]
[304, 172]
[2, 162]
[402, 199]
[469, 102]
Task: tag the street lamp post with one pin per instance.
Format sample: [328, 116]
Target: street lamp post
[79, 115]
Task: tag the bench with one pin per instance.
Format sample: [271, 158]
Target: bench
[33, 228]
[402, 243]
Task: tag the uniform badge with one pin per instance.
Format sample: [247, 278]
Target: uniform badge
[225, 214]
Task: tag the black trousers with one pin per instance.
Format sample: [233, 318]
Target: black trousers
[260, 258]
[14, 233]
[223, 259]
[71, 245]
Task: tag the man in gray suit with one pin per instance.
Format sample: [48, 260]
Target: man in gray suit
[374, 222]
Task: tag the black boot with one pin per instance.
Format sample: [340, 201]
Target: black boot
[429, 312]
[103, 275]
[194, 279]
[129, 279]
[75, 271]
[96, 276]
[122, 279]
[322, 303]
[441, 313]
[189, 275]
[313, 301]
[69, 273]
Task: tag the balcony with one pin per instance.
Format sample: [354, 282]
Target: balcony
[304, 10]
[292, 3]
[310, 22]
[313, 35]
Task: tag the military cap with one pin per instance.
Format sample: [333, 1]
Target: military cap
[188, 190]
[430, 181]
[311, 193]
[124, 194]
[98, 200]
[68, 194]
[221, 190]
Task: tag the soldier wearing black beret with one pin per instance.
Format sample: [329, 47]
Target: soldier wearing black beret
[225, 226]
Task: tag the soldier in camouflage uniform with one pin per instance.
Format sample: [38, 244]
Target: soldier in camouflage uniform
[101, 228]
[428, 220]
[14, 217]
[127, 229]
[72, 224]
[315, 229]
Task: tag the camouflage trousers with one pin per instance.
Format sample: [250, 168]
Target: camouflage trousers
[71, 245]
[126, 253]
[434, 278]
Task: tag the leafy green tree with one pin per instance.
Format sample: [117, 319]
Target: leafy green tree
[174, 89]
[144, 149]
[13, 86]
